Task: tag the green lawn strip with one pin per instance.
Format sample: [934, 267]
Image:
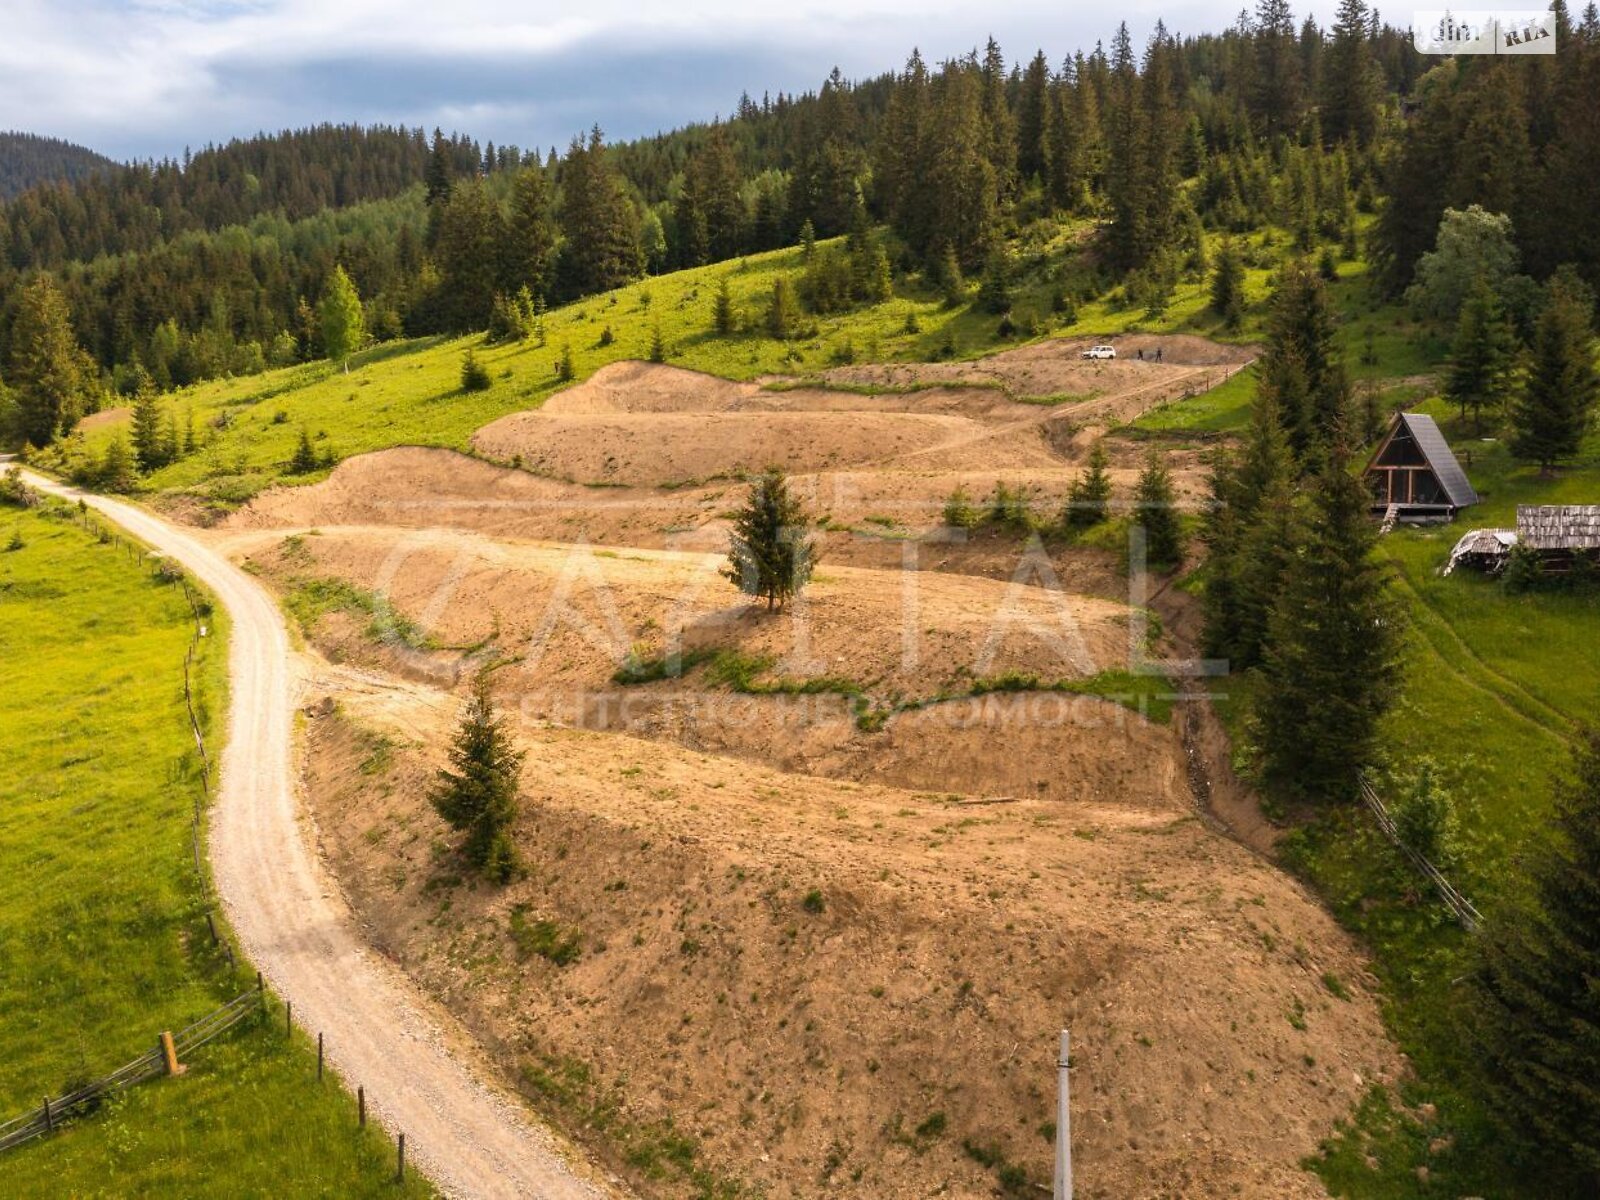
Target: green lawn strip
[1151, 696]
[106, 941]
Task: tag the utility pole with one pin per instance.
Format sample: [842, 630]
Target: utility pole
[1063, 1189]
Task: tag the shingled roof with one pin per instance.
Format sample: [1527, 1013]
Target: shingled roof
[1441, 459]
[1559, 526]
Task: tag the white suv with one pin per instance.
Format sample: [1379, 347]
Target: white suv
[1100, 352]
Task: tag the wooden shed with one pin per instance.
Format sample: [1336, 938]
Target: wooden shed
[1413, 472]
[1560, 534]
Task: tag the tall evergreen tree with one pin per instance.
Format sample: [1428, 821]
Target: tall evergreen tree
[1559, 392]
[1035, 121]
[470, 242]
[1279, 79]
[771, 553]
[1332, 665]
[1350, 81]
[152, 445]
[530, 234]
[961, 173]
[50, 375]
[1538, 999]
[1157, 513]
[602, 238]
[341, 318]
[1227, 285]
[441, 169]
[1303, 364]
[1000, 127]
[1089, 498]
[710, 209]
[1483, 357]
[477, 793]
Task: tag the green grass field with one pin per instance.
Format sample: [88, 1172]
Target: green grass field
[106, 942]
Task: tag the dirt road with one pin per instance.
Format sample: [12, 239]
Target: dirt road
[421, 1073]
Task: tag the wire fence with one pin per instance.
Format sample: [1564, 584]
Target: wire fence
[164, 1059]
[85, 1100]
[1464, 910]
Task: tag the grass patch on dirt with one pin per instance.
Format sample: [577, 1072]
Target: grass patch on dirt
[106, 942]
[308, 600]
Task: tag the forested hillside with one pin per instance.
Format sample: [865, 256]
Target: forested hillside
[26, 159]
[174, 272]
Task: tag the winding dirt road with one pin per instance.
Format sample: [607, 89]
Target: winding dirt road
[422, 1075]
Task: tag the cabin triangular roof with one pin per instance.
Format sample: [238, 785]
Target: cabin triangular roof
[1441, 460]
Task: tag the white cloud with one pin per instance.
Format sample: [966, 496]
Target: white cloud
[145, 76]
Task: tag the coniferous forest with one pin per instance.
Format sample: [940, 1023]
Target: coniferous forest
[176, 271]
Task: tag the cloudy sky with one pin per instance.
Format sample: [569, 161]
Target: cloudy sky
[144, 78]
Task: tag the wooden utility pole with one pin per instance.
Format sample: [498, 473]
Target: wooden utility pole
[1063, 1190]
[169, 1051]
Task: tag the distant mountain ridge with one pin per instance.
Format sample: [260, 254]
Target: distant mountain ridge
[27, 159]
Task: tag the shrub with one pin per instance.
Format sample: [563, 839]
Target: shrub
[813, 902]
[959, 512]
[16, 494]
[474, 375]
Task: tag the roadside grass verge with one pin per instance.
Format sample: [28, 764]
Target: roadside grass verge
[106, 942]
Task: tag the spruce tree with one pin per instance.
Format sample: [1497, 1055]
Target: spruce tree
[470, 243]
[1157, 513]
[304, 460]
[440, 169]
[530, 233]
[602, 248]
[1227, 285]
[1332, 664]
[1538, 1003]
[341, 319]
[1484, 354]
[1089, 498]
[1300, 341]
[783, 312]
[1349, 109]
[49, 374]
[723, 318]
[117, 471]
[1559, 390]
[1035, 121]
[770, 553]
[477, 793]
[150, 440]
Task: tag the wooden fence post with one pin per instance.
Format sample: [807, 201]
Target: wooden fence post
[361, 1107]
[169, 1051]
[288, 1018]
[319, 1058]
[49, 1117]
[400, 1161]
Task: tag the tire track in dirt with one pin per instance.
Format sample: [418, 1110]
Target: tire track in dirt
[422, 1074]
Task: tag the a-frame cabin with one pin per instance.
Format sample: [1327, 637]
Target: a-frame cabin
[1413, 472]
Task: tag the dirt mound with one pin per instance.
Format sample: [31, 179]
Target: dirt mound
[821, 988]
[572, 614]
[675, 448]
[1056, 366]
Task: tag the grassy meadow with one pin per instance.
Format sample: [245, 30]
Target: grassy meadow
[106, 943]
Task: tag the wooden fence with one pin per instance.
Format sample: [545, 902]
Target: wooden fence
[83, 1101]
[1458, 904]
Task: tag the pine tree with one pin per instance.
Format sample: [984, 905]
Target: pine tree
[341, 319]
[1279, 82]
[440, 169]
[1537, 1004]
[1483, 357]
[602, 238]
[1157, 513]
[783, 313]
[770, 554]
[1089, 498]
[1227, 285]
[1559, 391]
[49, 373]
[960, 170]
[1035, 121]
[530, 233]
[470, 240]
[1349, 109]
[658, 345]
[1300, 343]
[117, 472]
[304, 460]
[477, 793]
[710, 211]
[1332, 664]
[150, 442]
[994, 290]
[723, 318]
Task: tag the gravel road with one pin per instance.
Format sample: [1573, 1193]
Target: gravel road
[422, 1075]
